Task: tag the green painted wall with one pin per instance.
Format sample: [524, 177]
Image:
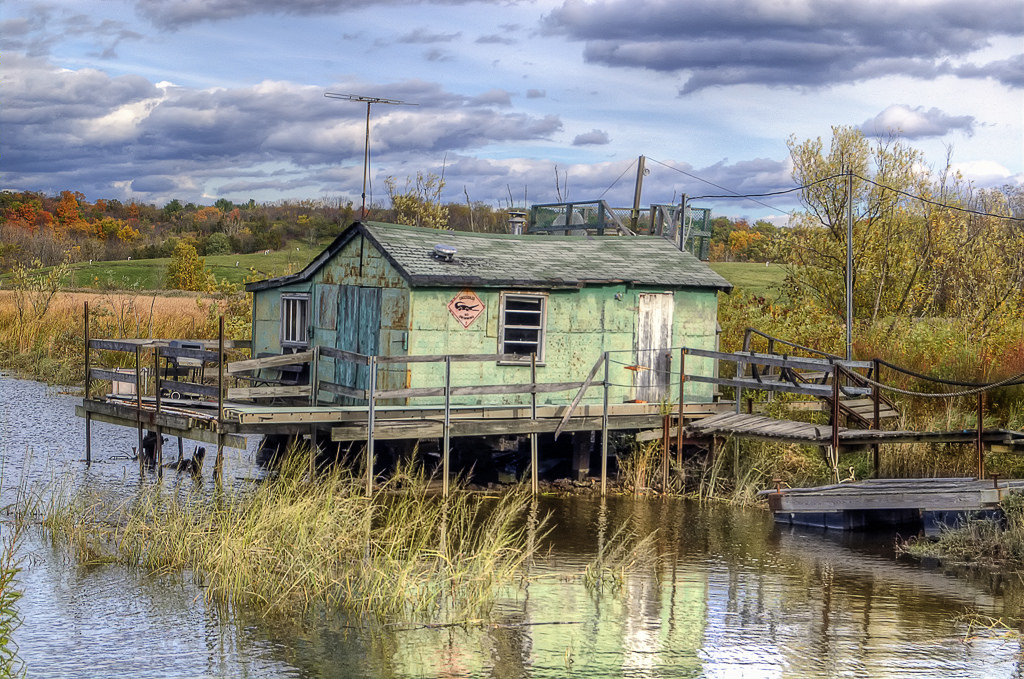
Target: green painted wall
[581, 326]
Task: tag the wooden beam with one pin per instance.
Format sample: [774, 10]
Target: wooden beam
[269, 362]
[204, 435]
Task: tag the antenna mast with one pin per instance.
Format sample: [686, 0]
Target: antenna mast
[369, 101]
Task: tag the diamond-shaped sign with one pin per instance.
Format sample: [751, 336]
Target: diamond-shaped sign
[465, 307]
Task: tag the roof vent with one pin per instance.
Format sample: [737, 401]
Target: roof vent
[444, 253]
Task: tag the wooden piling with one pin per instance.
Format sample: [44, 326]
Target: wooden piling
[218, 466]
[534, 455]
[159, 432]
[980, 444]
[88, 416]
[370, 406]
[876, 423]
[446, 431]
[682, 401]
[604, 432]
[138, 407]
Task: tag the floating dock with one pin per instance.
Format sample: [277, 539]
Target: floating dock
[857, 505]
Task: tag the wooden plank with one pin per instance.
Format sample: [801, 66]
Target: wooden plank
[112, 376]
[777, 360]
[188, 388]
[204, 435]
[188, 352]
[116, 345]
[384, 430]
[269, 362]
[579, 395]
[340, 390]
[480, 390]
[341, 354]
[819, 390]
[268, 392]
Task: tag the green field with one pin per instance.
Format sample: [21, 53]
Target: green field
[148, 274]
[752, 277]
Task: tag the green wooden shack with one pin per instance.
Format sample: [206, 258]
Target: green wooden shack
[388, 290]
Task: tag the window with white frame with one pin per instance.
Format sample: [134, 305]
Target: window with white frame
[294, 321]
[523, 318]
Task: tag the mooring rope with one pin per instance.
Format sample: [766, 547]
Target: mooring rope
[979, 389]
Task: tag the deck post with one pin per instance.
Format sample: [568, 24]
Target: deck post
[446, 432]
[218, 466]
[138, 405]
[980, 443]
[159, 431]
[314, 370]
[666, 426]
[835, 420]
[604, 432]
[88, 415]
[370, 406]
[534, 457]
[682, 402]
[876, 424]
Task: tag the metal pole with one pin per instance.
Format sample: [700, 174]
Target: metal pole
[849, 266]
[88, 415]
[371, 401]
[446, 433]
[604, 432]
[366, 161]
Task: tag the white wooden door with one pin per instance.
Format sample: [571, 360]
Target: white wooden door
[653, 344]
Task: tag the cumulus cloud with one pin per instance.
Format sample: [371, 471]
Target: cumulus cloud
[87, 129]
[593, 138]
[916, 123]
[801, 43]
[176, 14]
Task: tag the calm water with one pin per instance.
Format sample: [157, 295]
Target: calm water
[730, 595]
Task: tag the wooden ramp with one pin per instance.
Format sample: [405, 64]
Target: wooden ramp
[864, 504]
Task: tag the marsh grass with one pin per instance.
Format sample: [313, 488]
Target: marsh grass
[291, 545]
[626, 551]
[10, 566]
[981, 542]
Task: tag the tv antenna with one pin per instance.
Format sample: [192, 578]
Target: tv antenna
[369, 101]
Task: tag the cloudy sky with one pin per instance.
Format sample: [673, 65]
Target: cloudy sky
[204, 99]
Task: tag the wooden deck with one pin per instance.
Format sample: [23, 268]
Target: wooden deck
[863, 504]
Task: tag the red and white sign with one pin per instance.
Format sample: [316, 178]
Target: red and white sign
[465, 307]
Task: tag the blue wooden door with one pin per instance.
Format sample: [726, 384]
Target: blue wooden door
[358, 332]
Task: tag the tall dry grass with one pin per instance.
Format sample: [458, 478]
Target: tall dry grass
[291, 544]
[52, 347]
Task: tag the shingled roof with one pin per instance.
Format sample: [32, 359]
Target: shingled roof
[509, 261]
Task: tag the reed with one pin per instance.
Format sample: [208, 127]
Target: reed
[291, 544]
[10, 566]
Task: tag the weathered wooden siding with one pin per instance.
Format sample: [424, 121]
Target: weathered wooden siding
[581, 325]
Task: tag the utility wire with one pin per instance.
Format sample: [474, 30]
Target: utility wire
[935, 203]
[631, 165]
[734, 194]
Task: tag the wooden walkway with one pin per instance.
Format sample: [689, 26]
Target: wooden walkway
[863, 504]
[759, 427]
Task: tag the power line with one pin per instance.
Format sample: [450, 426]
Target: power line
[617, 179]
[752, 196]
[935, 203]
[734, 194]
